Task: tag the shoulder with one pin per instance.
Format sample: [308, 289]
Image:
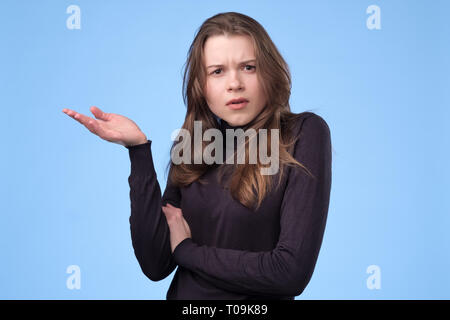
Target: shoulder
[312, 147]
[311, 125]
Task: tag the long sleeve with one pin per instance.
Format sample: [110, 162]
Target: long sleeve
[150, 232]
[287, 269]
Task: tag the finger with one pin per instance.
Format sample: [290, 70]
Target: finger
[166, 211]
[69, 112]
[90, 123]
[175, 211]
[77, 116]
[169, 212]
[94, 127]
[99, 114]
[172, 207]
[73, 114]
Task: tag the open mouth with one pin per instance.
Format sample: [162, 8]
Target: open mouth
[237, 101]
[238, 105]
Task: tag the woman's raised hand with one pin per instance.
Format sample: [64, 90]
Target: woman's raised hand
[110, 127]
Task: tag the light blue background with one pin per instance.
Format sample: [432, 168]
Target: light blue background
[384, 94]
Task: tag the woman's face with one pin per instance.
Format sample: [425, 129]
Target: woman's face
[231, 74]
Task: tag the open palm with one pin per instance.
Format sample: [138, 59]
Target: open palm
[110, 126]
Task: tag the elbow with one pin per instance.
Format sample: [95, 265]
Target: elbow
[154, 268]
[296, 289]
[293, 288]
[154, 274]
[296, 281]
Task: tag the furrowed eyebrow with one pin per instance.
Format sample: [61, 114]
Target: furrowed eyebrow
[220, 65]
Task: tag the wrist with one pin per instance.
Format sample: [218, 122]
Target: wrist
[142, 140]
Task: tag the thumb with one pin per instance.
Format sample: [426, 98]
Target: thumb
[99, 114]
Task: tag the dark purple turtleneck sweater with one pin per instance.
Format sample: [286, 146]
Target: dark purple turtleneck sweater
[235, 253]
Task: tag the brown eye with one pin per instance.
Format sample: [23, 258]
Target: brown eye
[251, 67]
[214, 72]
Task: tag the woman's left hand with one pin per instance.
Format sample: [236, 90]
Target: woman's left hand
[179, 228]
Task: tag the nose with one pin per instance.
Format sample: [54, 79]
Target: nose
[234, 82]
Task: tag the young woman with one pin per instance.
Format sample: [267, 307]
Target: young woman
[233, 232]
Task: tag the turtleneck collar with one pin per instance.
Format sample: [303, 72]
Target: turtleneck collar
[223, 125]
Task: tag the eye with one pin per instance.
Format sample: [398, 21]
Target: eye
[248, 65]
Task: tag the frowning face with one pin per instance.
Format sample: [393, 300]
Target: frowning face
[231, 74]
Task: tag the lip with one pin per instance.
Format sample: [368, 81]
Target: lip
[237, 106]
[237, 99]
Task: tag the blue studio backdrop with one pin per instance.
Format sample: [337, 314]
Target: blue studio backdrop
[377, 71]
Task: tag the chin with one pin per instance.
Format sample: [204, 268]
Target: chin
[238, 120]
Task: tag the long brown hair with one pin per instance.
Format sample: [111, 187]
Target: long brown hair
[246, 184]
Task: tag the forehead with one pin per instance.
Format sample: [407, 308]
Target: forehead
[228, 49]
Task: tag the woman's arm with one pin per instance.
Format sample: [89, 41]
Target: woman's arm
[149, 230]
[287, 269]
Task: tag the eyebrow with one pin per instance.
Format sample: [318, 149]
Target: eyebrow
[221, 65]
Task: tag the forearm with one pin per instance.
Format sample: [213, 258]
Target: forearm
[149, 230]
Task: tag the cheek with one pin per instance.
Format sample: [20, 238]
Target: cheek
[213, 92]
[260, 92]
[209, 90]
[254, 86]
